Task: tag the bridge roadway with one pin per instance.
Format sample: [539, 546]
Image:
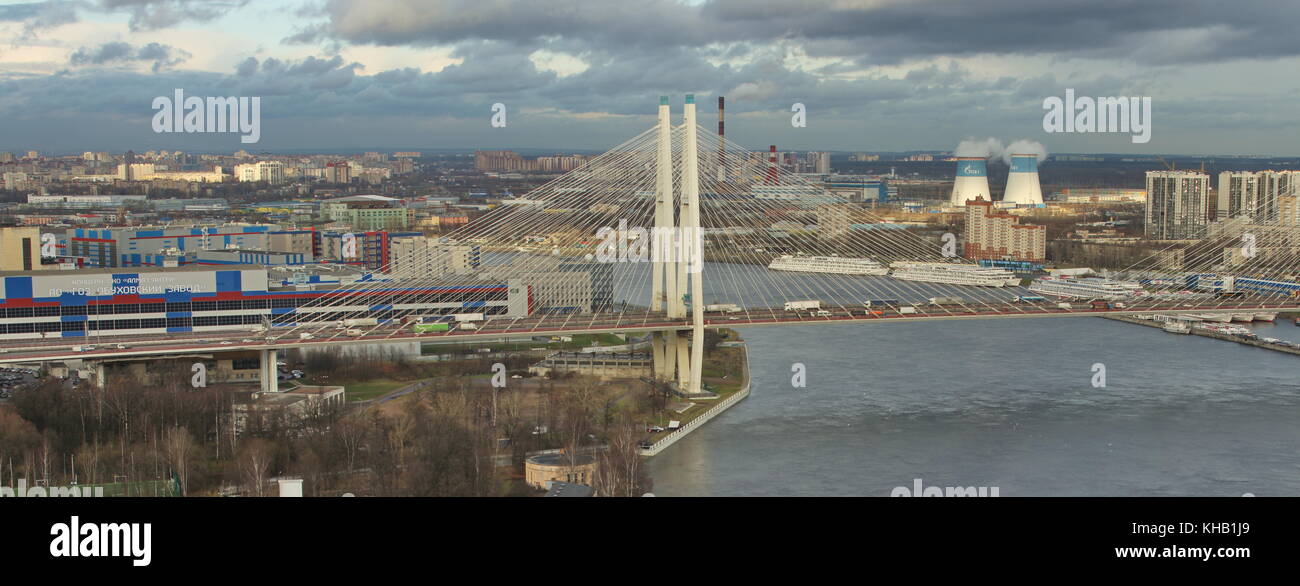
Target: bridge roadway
[323, 335]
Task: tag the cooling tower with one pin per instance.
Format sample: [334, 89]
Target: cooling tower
[972, 180]
[1022, 182]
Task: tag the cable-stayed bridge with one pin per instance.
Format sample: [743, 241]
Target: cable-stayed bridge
[673, 232]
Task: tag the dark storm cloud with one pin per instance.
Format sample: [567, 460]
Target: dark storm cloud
[872, 32]
[636, 51]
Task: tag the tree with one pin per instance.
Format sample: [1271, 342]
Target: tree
[178, 448]
[254, 463]
[620, 470]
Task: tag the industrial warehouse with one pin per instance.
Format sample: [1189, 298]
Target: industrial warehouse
[50, 304]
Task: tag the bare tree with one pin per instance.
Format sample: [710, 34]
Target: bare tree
[255, 462]
[620, 471]
[178, 448]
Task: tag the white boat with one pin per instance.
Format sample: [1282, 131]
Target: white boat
[1177, 327]
[1222, 318]
[1243, 317]
[1086, 288]
[1266, 316]
[835, 265]
[953, 274]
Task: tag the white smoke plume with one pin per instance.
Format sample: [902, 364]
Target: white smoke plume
[1024, 146]
[992, 148]
[973, 147]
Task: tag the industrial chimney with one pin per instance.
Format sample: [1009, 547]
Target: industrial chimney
[972, 180]
[1022, 181]
[771, 166]
[722, 139]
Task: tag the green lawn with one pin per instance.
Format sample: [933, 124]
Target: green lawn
[371, 389]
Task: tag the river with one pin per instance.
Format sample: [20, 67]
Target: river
[1000, 403]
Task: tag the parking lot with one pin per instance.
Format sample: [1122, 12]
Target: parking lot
[12, 379]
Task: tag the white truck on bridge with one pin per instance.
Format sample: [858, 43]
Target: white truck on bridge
[722, 308]
[947, 301]
[802, 305]
[358, 321]
[467, 317]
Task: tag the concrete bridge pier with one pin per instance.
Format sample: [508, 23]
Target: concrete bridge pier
[99, 371]
[269, 374]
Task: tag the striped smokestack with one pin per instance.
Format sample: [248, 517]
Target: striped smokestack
[722, 110]
[722, 140]
[771, 166]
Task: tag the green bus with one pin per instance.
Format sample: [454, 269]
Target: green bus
[426, 328]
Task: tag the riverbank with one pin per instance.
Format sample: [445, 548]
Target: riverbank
[1208, 334]
[725, 403]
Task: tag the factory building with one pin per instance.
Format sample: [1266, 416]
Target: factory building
[563, 286]
[146, 246]
[857, 189]
[85, 201]
[48, 304]
[435, 257]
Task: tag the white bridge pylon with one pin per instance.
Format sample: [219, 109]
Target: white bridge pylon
[678, 356]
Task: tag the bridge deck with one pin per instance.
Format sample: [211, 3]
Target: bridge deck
[107, 347]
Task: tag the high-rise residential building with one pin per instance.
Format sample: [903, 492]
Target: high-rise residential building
[269, 171]
[339, 172]
[1001, 236]
[498, 161]
[1254, 194]
[1288, 210]
[821, 162]
[1178, 204]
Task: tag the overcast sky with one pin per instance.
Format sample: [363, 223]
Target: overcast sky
[886, 75]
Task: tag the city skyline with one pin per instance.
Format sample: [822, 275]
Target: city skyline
[874, 76]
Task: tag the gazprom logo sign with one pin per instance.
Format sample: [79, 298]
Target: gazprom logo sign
[1024, 163]
[971, 169]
